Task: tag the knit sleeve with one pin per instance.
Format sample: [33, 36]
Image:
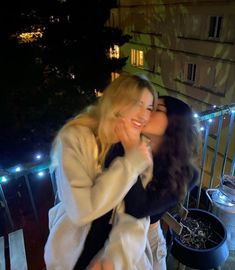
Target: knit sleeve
[86, 192]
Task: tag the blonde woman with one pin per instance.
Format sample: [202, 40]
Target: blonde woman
[87, 190]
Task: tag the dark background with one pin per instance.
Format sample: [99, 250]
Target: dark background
[46, 81]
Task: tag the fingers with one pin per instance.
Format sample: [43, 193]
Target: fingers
[128, 136]
[121, 130]
[96, 266]
[102, 265]
[108, 265]
[145, 149]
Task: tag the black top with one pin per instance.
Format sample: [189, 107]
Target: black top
[139, 202]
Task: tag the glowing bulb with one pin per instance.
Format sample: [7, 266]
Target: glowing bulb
[214, 106]
[41, 174]
[195, 115]
[210, 120]
[17, 169]
[38, 156]
[202, 128]
[4, 179]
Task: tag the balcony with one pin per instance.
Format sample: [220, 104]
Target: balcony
[27, 192]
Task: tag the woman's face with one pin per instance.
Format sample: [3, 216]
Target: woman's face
[158, 121]
[138, 114]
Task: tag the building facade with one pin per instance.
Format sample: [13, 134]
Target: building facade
[186, 48]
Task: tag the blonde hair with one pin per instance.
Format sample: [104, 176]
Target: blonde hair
[98, 117]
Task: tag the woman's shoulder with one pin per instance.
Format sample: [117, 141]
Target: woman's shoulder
[76, 130]
[76, 134]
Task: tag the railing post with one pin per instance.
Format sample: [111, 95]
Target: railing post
[7, 208]
[218, 133]
[203, 162]
[230, 129]
[31, 197]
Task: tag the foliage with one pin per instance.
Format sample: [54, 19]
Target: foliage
[51, 78]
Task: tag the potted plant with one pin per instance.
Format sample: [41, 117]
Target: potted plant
[202, 241]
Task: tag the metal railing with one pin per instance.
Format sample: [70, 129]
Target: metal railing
[217, 157]
[218, 146]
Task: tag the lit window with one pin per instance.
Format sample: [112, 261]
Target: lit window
[137, 57]
[114, 75]
[191, 72]
[215, 26]
[98, 93]
[114, 52]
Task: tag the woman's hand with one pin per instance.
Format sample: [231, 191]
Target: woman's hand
[126, 134]
[102, 265]
[130, 139]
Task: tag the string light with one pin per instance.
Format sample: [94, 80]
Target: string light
[41, 174]
[18, 169]
[195, 115]
[3, 179]
[38, 156]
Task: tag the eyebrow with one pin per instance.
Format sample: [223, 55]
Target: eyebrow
[142, 103]
[160, 104]
[163, 109]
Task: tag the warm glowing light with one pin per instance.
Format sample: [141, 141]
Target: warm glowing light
[72, 76]
[98, 93]
[28, 37]
[114, 76]
[114, 52]
[137, 57]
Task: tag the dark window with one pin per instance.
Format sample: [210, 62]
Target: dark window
[215, 26]
[191, 72]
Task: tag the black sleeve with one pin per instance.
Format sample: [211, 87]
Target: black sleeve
[140, 202]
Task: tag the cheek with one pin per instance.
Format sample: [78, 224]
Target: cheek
[148, 115]
[157, 124]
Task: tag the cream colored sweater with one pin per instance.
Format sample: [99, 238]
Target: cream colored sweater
[86, 193]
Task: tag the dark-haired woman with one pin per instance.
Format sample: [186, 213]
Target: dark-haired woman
[137, 244]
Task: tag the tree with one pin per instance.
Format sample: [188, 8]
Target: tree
[54, 55]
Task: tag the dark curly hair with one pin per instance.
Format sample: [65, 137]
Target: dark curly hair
[174, 162]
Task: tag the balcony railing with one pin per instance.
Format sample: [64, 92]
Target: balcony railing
[218, 146]
[217, 157]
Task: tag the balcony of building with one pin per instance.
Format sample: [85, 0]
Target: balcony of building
[27, 191]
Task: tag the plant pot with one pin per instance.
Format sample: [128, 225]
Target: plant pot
[212, 254]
